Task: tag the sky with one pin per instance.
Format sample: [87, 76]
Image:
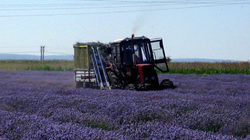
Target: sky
[213, 29]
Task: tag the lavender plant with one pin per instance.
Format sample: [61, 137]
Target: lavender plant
[45, 105]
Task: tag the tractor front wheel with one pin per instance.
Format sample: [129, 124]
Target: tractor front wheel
[166, 83]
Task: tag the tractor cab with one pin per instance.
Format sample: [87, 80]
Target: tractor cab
[136, 59]
[139, 50]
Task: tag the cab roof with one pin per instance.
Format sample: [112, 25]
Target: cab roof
[129, 39]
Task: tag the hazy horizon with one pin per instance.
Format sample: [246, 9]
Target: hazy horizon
[71, 57]
[217, 29]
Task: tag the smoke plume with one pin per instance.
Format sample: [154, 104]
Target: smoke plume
[139, 23]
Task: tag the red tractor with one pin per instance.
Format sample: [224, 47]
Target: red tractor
[132, 63]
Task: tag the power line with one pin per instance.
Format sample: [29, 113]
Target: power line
[119, 2]
[23, 52]
[115, 12]
[33, 52]
[173, 1]
[62, 4]
[110, 7]
[135, 5]
[49, 52]
[162, 1]
[42, 52]
[92, 7]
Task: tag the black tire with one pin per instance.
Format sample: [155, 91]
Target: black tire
[166, 83]
[114, 80]
[79, 84]
[140, 87]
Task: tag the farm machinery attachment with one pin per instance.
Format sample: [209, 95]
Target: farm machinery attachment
[130, 63]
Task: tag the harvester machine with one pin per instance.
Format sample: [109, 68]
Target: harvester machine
[130, 63]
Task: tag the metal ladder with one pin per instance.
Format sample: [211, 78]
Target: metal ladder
[99, 69]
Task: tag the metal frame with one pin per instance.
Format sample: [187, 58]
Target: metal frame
[164, 60]
[138, 39]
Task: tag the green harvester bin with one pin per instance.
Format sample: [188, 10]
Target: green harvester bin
[82, 58]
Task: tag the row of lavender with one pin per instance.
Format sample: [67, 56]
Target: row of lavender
[45, 105]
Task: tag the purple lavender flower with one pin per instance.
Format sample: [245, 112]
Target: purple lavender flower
[45, 105]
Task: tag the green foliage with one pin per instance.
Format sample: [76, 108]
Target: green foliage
[182, 68]
[209, 68]
[49, 68]
[210, 71]
[50, 65]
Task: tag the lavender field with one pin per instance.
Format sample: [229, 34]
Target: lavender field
[45, 105]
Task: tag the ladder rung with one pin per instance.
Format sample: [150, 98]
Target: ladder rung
[99, 70]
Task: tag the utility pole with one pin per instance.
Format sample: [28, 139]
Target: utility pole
[42, 53]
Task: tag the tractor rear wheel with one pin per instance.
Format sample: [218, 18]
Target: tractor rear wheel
[166, 83]
[114, 80]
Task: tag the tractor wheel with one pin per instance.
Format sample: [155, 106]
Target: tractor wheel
[79, 84]
[114, 80]
[140, 87]
[166, 83]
